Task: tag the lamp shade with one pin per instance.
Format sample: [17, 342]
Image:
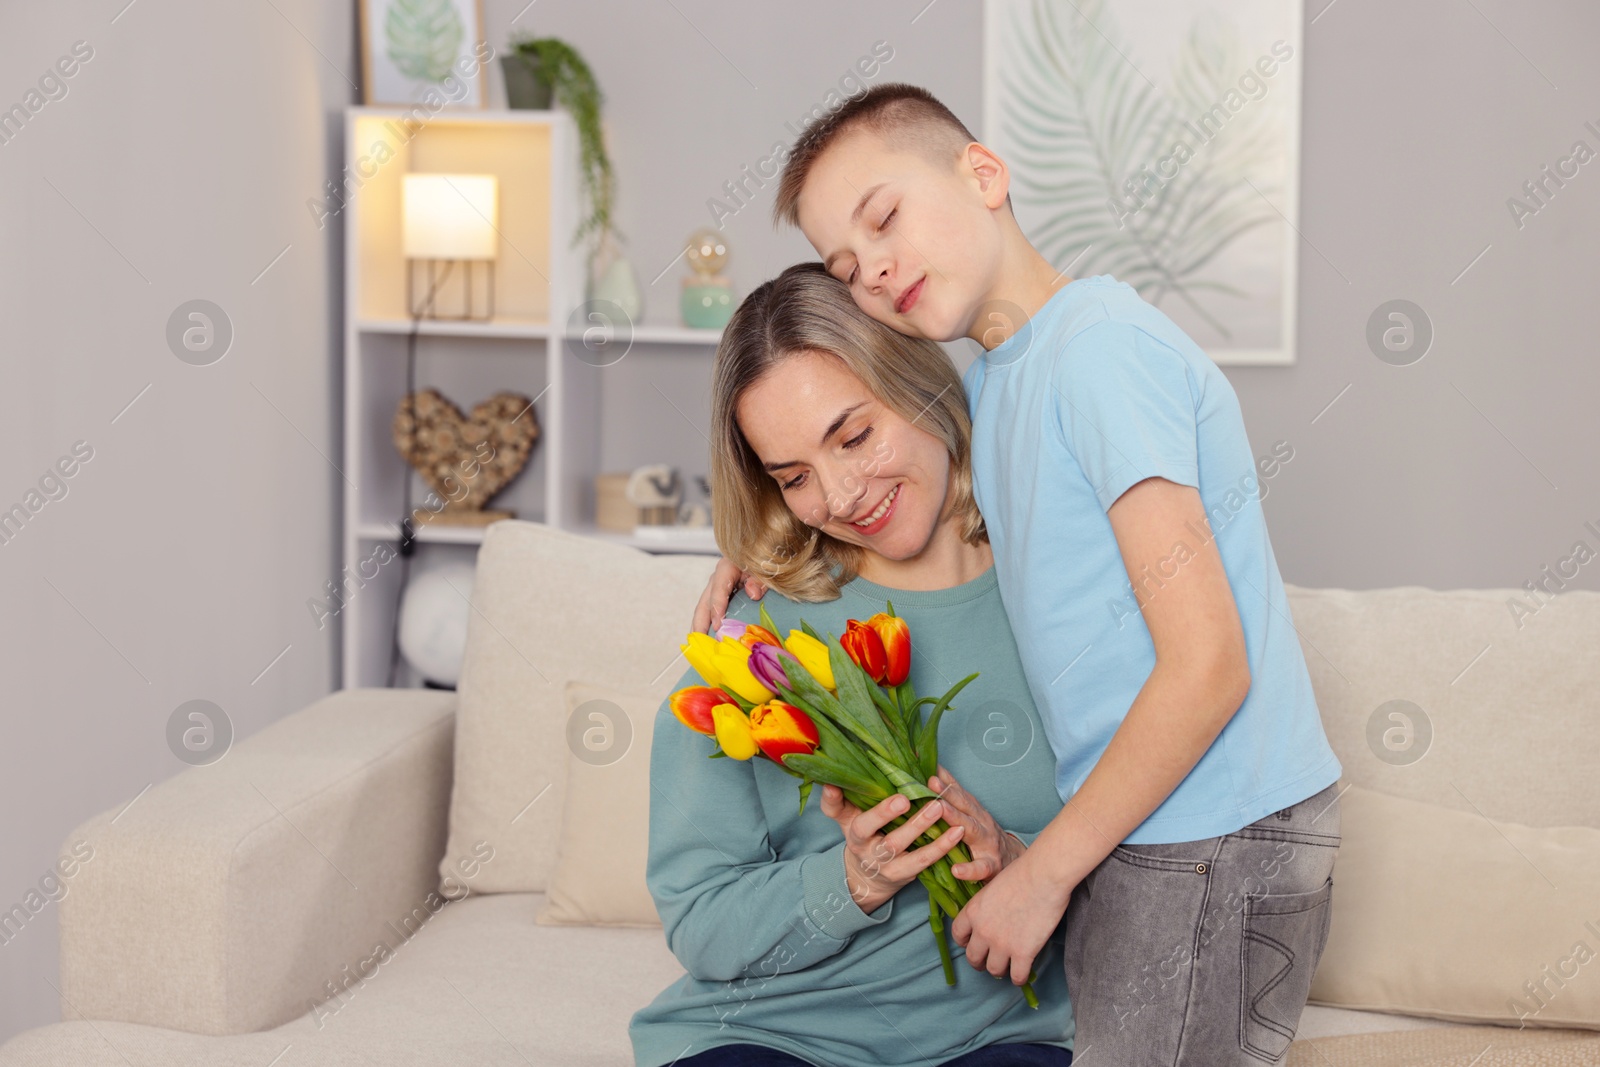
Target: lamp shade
[450, 216]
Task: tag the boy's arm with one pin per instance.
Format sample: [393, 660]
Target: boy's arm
[1199, 681]
[720, 588]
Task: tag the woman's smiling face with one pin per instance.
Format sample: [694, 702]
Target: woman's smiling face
[846, 462]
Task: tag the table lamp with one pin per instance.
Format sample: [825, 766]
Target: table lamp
[449, 220]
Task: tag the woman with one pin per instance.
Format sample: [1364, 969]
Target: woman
[840, 474]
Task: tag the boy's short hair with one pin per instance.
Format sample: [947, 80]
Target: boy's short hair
[907, 116]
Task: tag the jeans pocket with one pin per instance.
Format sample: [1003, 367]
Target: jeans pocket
[1187, 856]
[1284, 936]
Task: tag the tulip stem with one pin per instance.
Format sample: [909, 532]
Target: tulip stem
[936, 920]
[939, 894]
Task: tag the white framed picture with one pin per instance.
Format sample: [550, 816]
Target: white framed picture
[424, 52]
[1158, 141]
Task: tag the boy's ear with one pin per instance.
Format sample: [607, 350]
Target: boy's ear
[989, 170]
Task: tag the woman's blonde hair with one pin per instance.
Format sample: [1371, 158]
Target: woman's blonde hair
[805, 309]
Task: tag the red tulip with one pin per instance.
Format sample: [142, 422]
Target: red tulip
[693, 705]
[782, 730]
[896, 637]
[865, 648]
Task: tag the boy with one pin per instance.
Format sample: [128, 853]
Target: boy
[1193, 857]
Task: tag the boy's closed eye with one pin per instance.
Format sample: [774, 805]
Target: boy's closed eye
[882, 225]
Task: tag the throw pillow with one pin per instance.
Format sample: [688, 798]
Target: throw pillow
[1442, 913]
[605, 827]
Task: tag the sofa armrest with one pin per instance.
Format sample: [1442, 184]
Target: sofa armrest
[236, 896]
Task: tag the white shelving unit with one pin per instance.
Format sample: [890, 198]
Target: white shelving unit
[528, 347]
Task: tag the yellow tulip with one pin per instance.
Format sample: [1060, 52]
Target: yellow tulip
[813, 656]
[733, 731]
[701, 651]
[731, 661]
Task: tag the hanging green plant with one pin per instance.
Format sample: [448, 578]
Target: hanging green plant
[557, 64]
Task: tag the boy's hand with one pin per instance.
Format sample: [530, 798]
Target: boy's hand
[708, 614]
[1005, 925]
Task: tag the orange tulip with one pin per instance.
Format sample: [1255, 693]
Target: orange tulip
[865, 648]
[693, 705]
[781, 730]
[748, 634]
[753, 634]
[896, 637]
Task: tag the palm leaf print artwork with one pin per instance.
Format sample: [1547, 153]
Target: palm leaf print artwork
[424, 37]
[1084, 120]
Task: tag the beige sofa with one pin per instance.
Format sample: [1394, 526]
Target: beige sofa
[225, 915]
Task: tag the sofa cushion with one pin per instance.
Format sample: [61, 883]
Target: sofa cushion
[1451, 1046]
[1513, 710]
[605, 827]
[1446, 914]
[479, 984]
[549, 607]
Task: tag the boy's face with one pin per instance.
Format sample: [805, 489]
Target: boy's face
[917, 242]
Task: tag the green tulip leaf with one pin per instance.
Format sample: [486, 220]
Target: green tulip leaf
[766, 621]
[928, 736]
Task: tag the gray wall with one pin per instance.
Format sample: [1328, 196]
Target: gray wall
[178, 563]
[177, 167]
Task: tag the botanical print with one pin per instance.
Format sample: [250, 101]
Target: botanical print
[1157, 141]
[422, 37]
[423, 51]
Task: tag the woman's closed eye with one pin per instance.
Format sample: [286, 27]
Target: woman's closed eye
[853, 443]
[859, 439]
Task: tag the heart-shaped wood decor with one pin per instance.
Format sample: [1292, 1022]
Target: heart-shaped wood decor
[465, 460]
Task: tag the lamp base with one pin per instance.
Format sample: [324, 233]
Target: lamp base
[436, 285]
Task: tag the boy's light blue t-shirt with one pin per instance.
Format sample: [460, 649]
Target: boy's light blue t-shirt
[1097, 392]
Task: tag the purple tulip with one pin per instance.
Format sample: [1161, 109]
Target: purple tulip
[766, 664]
[733, 628]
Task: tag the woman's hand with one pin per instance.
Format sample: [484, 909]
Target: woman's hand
[878, 865]
[992, 848]
[719, 590]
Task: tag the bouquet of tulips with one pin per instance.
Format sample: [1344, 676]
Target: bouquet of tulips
[836, 711]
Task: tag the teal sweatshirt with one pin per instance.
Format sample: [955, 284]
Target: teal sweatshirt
[753, 897]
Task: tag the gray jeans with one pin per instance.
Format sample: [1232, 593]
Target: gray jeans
[1200, 954]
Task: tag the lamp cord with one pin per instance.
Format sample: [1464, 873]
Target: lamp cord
[408, 534]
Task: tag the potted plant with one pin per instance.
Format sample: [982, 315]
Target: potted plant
[539, 69]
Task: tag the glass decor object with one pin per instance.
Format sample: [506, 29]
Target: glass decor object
[611, 278]
[707, 301]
